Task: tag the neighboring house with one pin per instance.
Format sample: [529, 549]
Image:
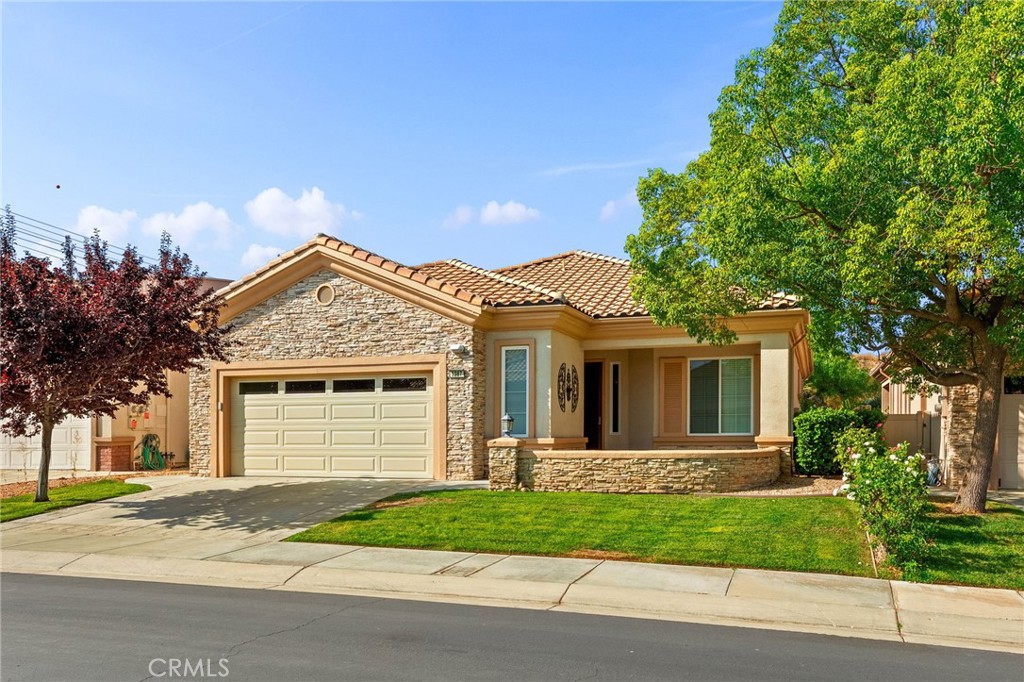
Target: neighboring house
[109, 443]
[926, 421]
[344, 363]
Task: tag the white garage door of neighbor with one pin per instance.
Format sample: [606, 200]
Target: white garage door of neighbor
[333, 427]
[70, 447]
[1011, 441]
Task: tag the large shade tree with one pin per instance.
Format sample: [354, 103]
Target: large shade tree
[79, 340]
[870, 160]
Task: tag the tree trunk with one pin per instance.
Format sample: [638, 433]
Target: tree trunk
[974, 489]
[43, 483]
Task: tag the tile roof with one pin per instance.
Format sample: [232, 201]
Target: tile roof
[594, 284]
[497, 289]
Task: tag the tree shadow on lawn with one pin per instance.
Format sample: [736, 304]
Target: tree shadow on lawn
[272, 506]
[965, 546]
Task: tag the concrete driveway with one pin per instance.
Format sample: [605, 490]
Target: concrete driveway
[196, 518]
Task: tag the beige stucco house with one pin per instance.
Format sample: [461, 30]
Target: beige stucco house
[343, 363]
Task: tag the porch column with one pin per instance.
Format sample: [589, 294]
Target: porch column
[776, 393]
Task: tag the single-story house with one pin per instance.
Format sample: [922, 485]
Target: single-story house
[343, 363]
[926, 421]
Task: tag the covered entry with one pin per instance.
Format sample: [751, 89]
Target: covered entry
[341, 425]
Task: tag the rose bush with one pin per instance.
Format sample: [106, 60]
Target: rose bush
[890, 486]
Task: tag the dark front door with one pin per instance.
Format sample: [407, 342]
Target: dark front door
[593, 373]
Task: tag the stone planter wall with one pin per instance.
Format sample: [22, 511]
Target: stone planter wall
[646, 471]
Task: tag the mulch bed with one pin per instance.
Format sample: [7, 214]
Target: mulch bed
[29, 487]
[791, 486]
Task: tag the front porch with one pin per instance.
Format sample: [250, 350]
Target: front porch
[632, 407]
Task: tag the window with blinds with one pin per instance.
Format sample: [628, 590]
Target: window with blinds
[721, 397]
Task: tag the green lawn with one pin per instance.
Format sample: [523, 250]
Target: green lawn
[977, 550]
[69, 496]
[808, 534]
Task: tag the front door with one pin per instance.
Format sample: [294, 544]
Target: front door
[593, 402]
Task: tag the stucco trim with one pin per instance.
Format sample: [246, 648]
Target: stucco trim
[222, 374]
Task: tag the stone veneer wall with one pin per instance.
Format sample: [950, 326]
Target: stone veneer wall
[656, 471]
[959, 432]
[361, 322]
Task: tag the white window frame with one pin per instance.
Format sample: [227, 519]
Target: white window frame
[614, 391]
[689, 396]
[518, 432]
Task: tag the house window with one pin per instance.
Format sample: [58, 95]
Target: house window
[1013, 385]
[305, 387]
[405, 384]
[722, 397]
[257, 387]
[616, 382]
[354, 386]
[515, 387]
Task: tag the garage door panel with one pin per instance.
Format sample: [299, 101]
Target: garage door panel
[262, 413]
[404, 411]
[402, 465]
[293, 464]
[359, 465]
[258, 463]
[250, 437]
[358, 411]
[303, 412]
[354, 438]
[404, 437]
[305, 438]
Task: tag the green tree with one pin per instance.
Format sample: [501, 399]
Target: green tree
[869, 160]
[838, 381]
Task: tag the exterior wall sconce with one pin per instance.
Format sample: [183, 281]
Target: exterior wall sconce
[457, 348]
[506, 425]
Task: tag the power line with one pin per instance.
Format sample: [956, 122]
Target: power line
[51, 238]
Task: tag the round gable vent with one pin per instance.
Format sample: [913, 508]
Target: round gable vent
[325, 294]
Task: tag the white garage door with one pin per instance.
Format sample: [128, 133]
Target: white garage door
[333, 427]
[71, 447]
[1011, 441]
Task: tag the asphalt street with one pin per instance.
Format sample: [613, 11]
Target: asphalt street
[58, 628]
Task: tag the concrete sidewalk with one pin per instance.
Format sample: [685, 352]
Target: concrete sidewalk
[99, 541]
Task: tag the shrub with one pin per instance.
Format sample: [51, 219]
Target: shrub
[817, 431]
[889, 485]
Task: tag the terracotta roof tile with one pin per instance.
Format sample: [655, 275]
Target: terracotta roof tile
[594, 284]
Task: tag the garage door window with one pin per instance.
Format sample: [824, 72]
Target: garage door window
[405, 384]
[257, 387]
[354, 386]
[305, 387]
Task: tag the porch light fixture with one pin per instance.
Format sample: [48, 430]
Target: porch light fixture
[457, 348]
[506, 425]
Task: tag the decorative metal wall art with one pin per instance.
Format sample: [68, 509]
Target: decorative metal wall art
[568, 387]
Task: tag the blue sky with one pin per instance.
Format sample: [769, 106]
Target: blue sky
[493, 132]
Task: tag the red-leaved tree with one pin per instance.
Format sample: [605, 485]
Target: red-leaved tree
[79, 341]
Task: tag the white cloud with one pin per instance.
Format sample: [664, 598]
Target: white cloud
[256, 256]
[509, 213]
[112, 226]
[612, 209]
[462, 215]
[194, 220]
[276, 212]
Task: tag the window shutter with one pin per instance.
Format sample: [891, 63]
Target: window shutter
[672, 385]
